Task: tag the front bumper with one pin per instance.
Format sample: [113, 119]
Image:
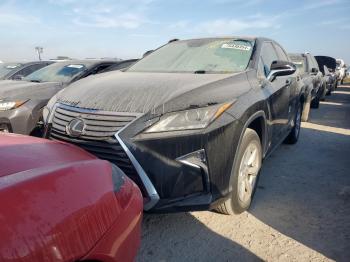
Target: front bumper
[162, 164]
[122, 241]
[179, 180]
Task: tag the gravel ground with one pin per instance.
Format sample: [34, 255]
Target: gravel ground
[301, 210]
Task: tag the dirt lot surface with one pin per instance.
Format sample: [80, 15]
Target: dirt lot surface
[301, 210]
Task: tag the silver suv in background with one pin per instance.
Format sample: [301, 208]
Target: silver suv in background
[341, 69]
[22, 102]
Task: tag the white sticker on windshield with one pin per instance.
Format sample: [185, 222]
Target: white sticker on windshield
[75, 66]
[236, 46]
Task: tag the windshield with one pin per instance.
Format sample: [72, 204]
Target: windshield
[299, 61]
[198, 56]
[57, 72]
[6, 68]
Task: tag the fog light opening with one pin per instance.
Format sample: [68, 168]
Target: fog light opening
[197, 159]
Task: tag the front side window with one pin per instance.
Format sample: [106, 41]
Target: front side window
[57, 72]
[199, 55]
[314, 63]
[267, 56]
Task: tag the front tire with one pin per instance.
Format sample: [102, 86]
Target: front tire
[244, 174]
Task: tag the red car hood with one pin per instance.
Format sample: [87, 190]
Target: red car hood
[20, 153]
[59, 202]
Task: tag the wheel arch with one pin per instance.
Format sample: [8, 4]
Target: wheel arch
[258, 121]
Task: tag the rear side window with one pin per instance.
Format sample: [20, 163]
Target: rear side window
[267, 56]
[300, 63]
[314, 63]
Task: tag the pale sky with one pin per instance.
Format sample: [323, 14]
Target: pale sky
[126, 29]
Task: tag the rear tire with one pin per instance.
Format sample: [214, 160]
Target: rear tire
[244, 175]
[306, 110]
[316, 102]
[293, 136]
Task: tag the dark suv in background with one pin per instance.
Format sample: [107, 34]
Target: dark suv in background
[312, 81]
[328, 67]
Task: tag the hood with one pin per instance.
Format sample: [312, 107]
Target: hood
[27, 90]
[144, 92]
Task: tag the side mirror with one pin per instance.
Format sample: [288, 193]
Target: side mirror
[147, 53]
[314, 71]
[18, 77]
[281, 68]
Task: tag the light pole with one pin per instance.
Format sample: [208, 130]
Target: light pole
[39, 50]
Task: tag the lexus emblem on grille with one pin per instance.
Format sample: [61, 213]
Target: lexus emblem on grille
[75, 127]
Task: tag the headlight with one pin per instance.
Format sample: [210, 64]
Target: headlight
[47, 109]
[8, 105]
[189, 119]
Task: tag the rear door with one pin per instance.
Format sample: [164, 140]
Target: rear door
[294, 86]
[279, 93]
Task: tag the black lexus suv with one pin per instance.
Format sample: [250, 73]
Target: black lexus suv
[190, 122]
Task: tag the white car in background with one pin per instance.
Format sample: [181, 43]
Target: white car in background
[341, 70]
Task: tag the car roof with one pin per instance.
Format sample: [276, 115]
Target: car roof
[250, 38]
[29, 62]
[20, 153]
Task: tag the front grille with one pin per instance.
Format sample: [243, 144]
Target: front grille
[98, 126]
[98, 137]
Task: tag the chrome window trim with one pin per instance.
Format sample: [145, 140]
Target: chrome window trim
[151, 191]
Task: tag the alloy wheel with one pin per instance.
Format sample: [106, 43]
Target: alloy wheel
[248, 172]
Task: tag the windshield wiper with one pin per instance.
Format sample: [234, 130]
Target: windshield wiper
[200, 72]
[35, 81]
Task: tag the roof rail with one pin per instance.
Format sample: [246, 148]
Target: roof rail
[173, 40]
